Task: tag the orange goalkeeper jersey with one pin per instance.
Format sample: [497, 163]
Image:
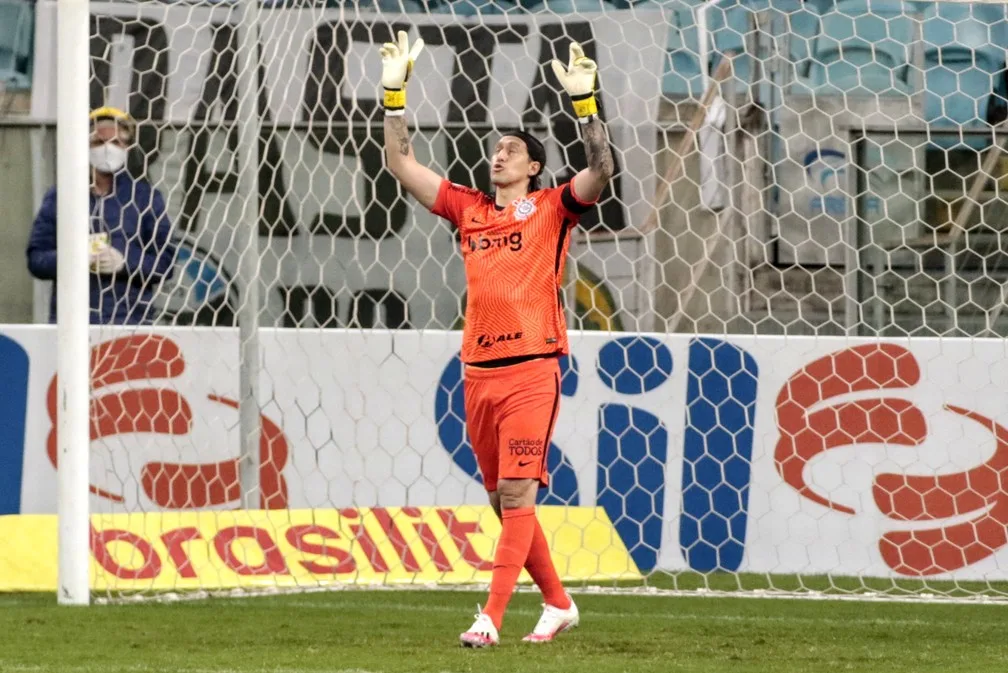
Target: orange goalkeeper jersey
[514, 260]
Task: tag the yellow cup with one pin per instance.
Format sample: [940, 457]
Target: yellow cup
[98, 241]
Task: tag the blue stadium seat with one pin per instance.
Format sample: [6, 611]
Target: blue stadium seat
[964, 56]
[862, 49]
[562, 7]
[973, 25]
[477, 7]
[406, 6]
[729, 24]
[800, 27]
[465, 7]
[682, 76]
[17, 18]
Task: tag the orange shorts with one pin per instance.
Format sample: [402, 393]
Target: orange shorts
[510, 414]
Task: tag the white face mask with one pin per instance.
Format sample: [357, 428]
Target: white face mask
[108, 158]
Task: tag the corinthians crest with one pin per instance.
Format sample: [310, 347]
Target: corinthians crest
[523, 208]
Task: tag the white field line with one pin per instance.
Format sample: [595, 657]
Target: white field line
[872, 597]
[638, 592]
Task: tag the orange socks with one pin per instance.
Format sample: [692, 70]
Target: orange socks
[540, 566]
[522, 543]
[518, 527]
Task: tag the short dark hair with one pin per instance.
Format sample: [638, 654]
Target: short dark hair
[536, 152]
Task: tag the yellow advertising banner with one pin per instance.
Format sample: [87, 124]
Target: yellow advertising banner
[310, 548]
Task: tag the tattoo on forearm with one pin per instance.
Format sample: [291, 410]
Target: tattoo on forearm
[403, 140]
[597, 147]
[397, 131]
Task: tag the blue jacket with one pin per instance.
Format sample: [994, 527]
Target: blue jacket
[134, 216]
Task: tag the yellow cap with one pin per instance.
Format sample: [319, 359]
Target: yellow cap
[112, 113]
[121, 119]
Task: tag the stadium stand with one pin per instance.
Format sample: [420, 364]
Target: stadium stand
[682, 76]
[964, 62]
[862, 48]
[729, 25]
[954, 53]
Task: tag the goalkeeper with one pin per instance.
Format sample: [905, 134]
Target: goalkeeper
[514, 244]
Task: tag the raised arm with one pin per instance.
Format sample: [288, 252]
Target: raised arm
[397, 65]
[578, 79]
[589, 182]
[418, 180]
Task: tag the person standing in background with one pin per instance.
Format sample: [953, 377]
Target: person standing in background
[131, 251]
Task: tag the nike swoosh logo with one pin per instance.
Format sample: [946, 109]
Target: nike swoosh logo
[524, 463]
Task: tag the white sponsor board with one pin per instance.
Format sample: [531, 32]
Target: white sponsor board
[825, 471]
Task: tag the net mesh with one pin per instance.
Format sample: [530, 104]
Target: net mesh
[756, 395]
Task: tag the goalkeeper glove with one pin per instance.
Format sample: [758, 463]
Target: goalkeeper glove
[578, 79]
[397, 66]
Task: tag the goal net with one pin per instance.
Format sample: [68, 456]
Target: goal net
[787, 360]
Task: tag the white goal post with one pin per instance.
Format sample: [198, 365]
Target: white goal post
[73, 318]
[787, 353]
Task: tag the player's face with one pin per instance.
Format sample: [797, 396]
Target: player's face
[510, 162]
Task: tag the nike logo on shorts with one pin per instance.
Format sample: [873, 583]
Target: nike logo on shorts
[523, 463]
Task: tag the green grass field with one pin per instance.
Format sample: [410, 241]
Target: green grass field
[400, 631]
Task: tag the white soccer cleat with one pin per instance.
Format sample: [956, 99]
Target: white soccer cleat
[482, 633]
[553, 622]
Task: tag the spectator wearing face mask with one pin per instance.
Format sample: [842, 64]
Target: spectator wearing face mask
[131, 251]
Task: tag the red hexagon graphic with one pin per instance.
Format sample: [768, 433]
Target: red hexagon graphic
[155, 409]
[980, 493]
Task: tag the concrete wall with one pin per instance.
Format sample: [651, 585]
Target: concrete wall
[19, 206]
